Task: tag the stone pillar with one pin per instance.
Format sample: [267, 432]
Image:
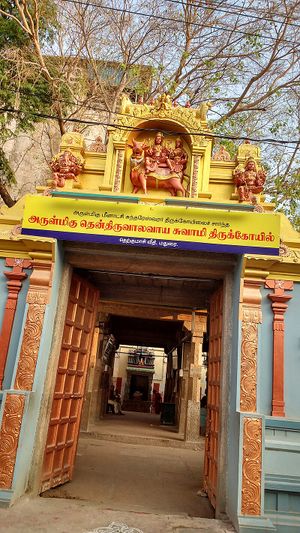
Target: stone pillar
[14, 284]
[87, 414]
[189, 422]
[193, 405]
[279, 306]
[14, 402]
[184, 388]
[97, 407]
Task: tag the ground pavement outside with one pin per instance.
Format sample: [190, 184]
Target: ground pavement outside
[149, 487]
[45, 515]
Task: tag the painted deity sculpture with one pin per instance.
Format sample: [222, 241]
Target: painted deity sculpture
[249, 179]
[222, 154]
[65, 166]
[158, 166]
[98, 145]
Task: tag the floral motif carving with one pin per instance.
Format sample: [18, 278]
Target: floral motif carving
[31, 340]
[251, 317]
[194, 192]
[9, 437]
[286, 252]
[163, 108]
[119, 168]
[252, 466]
[248, 367]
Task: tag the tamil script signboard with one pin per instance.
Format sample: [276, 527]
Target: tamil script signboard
[157, 226]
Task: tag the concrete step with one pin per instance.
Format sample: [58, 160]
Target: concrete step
[142, 439]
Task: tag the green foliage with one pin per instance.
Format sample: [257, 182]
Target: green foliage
[21, 86]
[285, 193]
[5, 169]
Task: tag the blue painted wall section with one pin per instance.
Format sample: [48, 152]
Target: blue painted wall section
[282, 474]
[292, 355]
[234, 416]
[265, 356]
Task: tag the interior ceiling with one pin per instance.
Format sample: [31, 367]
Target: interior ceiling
[145, 332]
[188, 293]
[172, 278]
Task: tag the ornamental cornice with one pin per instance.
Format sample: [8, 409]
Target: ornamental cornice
[140, 113]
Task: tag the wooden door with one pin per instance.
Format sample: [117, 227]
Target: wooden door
[213, 395]
[70, 384]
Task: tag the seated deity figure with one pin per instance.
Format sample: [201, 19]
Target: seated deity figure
[156, 166]
[249, 179]
[178, 157]
[157, 157]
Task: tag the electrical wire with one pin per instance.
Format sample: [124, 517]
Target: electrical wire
[169, 19]
[167, 132]
[215, 7]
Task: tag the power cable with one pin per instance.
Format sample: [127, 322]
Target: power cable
[161, 17]
[212, 7]
[167, 132]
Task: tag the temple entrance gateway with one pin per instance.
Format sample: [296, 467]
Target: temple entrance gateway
[147, 310]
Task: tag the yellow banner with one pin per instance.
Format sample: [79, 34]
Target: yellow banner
[162, 226]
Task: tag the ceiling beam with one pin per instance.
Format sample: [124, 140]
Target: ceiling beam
[148, 261]
[153, 295]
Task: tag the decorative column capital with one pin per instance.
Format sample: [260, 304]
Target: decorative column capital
[279, 286]
[15, 278]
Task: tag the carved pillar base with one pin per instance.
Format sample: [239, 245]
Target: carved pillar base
[9, 437]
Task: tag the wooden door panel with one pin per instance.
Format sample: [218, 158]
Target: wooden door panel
[70, 383]
[213, 395]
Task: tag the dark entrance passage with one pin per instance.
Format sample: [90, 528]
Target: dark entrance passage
[139, 384]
